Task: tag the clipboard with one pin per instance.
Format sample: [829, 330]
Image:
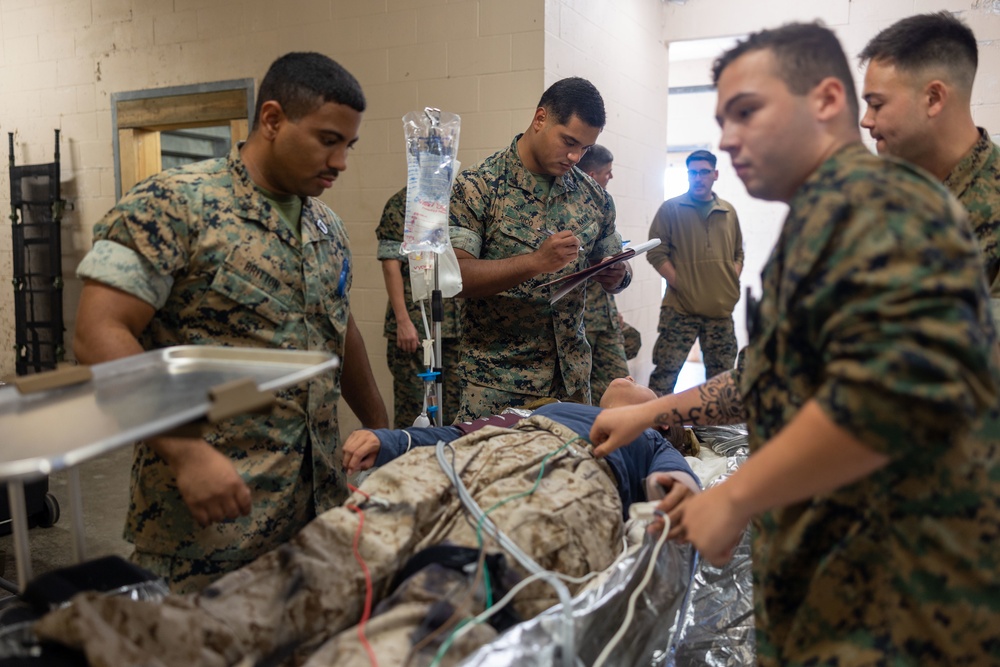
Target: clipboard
[570, 282]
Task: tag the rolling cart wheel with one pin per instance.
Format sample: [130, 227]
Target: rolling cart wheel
[50, 515]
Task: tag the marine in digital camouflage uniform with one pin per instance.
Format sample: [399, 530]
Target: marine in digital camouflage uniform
[976, 184]
[866, 386]
[601, 318]
[931, 59]
[300, 603]
[604, 333]
[895, 302]
[632, 340]
[516, 345]
[408, 388]
[198, 255]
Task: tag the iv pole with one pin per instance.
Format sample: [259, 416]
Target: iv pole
[437, 316]
[435, 372]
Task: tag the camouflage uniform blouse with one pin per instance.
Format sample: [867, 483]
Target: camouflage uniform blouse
[601, 313]
[976, 183]
[513, 339]
[239, 277]
[875, 307]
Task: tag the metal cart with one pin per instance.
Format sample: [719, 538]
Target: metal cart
[55, 421]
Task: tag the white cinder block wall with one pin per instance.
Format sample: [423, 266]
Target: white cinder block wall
[488, 60]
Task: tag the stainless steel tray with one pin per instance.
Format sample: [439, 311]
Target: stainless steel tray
[133, 398]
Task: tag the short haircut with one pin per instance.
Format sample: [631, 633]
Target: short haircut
[927, 40]
[574, 97]
[595, 158]
[303, 82]
[805, 54]
[707, 156]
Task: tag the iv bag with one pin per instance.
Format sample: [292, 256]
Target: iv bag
[422, 273]
[431, 159]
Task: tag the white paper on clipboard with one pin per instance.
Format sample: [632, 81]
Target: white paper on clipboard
[568, 283]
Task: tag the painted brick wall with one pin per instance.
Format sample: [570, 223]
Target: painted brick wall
[61, 61]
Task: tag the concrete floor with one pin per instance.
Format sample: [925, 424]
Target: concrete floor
[104, 482]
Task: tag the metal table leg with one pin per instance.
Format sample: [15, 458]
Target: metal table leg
[76, 514]
[19, 523]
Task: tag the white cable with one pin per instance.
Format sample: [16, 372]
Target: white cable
[610, 646]
[504, 601]
[431, 361]
[489, 612]
[422, 419]
[427, 330]
[568, 629]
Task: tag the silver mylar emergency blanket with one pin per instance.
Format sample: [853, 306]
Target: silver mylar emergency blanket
[690, 614]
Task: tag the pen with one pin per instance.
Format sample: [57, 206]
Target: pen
[342, 283]
[549, 232]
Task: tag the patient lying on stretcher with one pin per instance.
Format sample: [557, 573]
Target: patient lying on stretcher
[302, 602]
[365, 448]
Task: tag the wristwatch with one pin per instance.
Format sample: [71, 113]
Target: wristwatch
[626, 281]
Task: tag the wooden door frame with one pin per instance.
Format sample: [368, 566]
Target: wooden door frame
[139, 116]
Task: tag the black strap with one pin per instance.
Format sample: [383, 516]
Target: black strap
[458, 558]
[102, 574]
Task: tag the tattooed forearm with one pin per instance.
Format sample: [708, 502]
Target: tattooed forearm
[715, 402]
[721, 401]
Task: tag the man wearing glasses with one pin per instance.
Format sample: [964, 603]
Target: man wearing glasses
[701, 257]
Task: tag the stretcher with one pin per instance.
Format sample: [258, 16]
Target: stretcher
[55, 421]
[683, 612]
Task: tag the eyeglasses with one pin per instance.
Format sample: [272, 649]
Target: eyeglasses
[699, 172]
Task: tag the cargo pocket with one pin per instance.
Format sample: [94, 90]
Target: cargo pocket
[588, 234]
[515, 236]
[337, 310]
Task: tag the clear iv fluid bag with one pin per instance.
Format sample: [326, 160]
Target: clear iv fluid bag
[431, 158]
